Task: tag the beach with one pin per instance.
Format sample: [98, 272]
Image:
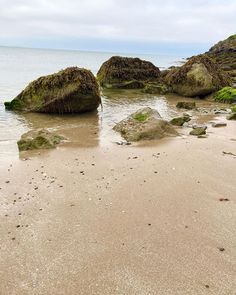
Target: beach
[152, 218]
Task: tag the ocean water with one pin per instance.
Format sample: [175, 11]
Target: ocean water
[19, 66]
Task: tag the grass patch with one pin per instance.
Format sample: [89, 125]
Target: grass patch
[233, 109]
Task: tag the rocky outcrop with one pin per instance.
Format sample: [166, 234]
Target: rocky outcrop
[38, 139]
[72, 90]
[199, 76]
[146, 123]
[121, 70]
[224, 54]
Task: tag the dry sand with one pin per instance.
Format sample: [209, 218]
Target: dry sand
[122, 219]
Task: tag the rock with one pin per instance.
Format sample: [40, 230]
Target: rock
[198, 131]
[179, 121]
[127, 85]
[226, 94]
[219, 124]
[72, 90]
[233, 109]
[146, 123]
[224, 54]
[38, 139]
[199, 76]
[118, 70]
[188, 105]
[232, 116]
[155, 89]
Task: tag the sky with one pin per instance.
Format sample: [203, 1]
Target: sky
[136, 26]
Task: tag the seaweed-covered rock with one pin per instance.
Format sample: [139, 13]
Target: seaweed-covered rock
[72, 90]
[118, 70]
[179, 121]
[199, 76]
[232, 116]
[152, 88]
[146, 123]
[226, 94]
[38, 139]
[188, 105]
[224, 54]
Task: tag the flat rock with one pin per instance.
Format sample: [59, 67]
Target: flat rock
[218, 124]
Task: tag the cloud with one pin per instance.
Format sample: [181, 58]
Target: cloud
[118, 20]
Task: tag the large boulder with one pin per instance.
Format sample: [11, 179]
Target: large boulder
[224, 54]
[146, 123]
[38, 139]
[199, 76]
[117, 71]
[72, 90]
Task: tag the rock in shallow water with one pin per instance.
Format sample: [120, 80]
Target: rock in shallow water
[72, 90]
[38, 139]
[198, 131]
[146, 123]
[179, 121]
[188, 105]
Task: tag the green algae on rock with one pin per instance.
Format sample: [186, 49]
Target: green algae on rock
[226, 94]
[232, 116]
[198, 131]
[199, 76]
[144, 124]
[38, 139]
[73, 90]
[118, 70]
[155, 88]
[179, 121]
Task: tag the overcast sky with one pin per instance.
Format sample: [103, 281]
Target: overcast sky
[150, 26]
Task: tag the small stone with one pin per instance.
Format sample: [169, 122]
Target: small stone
[218, 124]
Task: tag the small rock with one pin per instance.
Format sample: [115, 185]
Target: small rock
[219, 124]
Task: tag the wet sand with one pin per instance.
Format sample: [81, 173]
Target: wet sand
[155, 218]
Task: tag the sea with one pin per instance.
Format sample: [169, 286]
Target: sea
[19, 66]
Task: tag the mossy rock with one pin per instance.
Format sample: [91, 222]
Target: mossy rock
[38, 139]
[188, 105]
[199, 76]
[179, 121]
[226, 94]
[198, 131]
[126, 85]
[155, 89]
[145, 124]
[72, 90]
[118, 70]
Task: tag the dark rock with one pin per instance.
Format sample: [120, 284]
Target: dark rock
[179, 121]
[188, 105]
[219, 124]
[72, 90]
[118, 70]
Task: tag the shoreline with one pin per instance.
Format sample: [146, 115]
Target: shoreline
[122, 219]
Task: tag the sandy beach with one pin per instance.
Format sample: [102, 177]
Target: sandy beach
[153, 218]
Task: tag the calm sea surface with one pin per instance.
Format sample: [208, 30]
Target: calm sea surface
[20, 66]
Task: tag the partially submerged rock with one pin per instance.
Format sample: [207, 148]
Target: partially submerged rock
[226, 94]
[72, 90]
[38, 139]
[188, 105]
[146, 123]
[199, 76]
[120, 70]
[232, 116]
[152, 88]
[179, 121]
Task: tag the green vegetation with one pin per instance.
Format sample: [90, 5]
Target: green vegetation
[232, 37]
[233, 109]
[141, 117]
[226, 94]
